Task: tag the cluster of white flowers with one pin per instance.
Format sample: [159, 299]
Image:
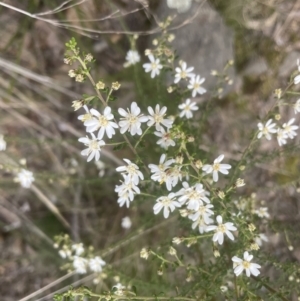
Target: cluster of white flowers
[80, 263]
[194, 81]
[181, 73]
[192, 199]
[131, 178]
[195, 198]
[131, 121]
[286, 132]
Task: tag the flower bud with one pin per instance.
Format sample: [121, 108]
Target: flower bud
[221, 195]
[89, 57]
[72, 73]
[79, 78]
[177, 240]
[144, 253]
[239, 182]
[100, 85]
[251, 227]
[172, 251]
[199, 164]
[115, 86]
[170, 89]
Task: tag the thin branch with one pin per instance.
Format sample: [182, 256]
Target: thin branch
[59, 280]
[85, 31]
[61, 8]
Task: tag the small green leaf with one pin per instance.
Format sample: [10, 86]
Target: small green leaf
[134, 289]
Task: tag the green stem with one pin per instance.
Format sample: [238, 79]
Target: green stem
[100, 296]
[142, 137]
[270, 289]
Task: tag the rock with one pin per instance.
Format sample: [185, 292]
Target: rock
[205, 42]
[256, 67]
[289, 64]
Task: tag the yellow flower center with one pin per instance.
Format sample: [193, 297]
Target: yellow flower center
[94, 145]
[103, 121]
[153, 66]
[86, 117]
[183, 74]
[216, 167]
[246, 264]
[221, 228]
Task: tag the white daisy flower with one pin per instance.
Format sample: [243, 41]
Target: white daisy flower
[78, 249]
[166, 138]
[297, 106]
[260, 238]
[217, 167]
[289, 128]
[120, 289]
[158, 119]
[132, 57]
[2, 143]
[154, 66]
[80, 264]
[187, 109]
[25, 178]
[65, 253]
[202, 224]
[262, 212]
[183, 72]
[126, 222]
[221, 229]
[126, 191]
[281, 136]
[195, 85]
[162, 164]
[168, 203]
[96, 264]
[181, 5]
[94, 147]
[131, 170]
[204, 211]
[124, 199]
[131, 120]
[267, 129]
[162, 172]
[193, 196]
[87, 116]
[102, 123]
[127, 187]
[240, 265]
[174, 176]
[297, 78]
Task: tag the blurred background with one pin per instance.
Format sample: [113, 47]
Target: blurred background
[71, 196]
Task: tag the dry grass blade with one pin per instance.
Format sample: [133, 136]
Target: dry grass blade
[25, 221]
[33, 295]
[43, 198]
